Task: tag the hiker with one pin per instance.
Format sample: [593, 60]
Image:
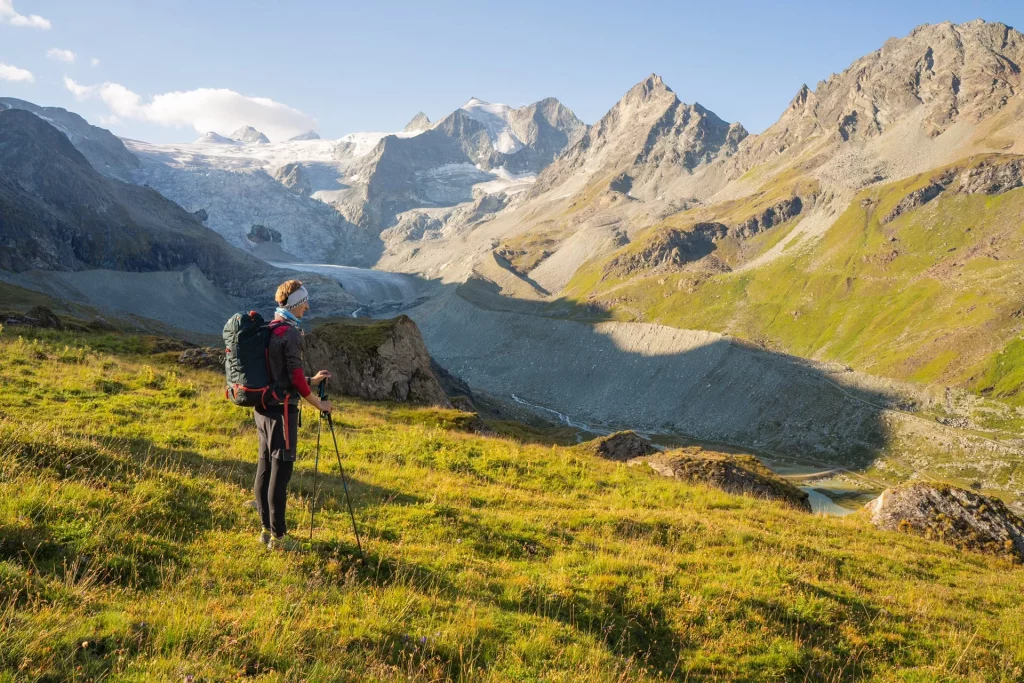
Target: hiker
[277, 425]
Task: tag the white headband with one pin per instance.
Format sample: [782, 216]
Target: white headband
[297, 298]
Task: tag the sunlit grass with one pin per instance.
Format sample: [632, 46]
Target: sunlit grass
[127, 552]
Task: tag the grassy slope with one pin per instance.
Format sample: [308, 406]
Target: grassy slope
[940, 311]
[127, 553]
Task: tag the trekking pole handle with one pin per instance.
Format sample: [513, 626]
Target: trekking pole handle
[322, 393]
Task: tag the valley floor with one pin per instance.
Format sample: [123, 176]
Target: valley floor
[128, 552]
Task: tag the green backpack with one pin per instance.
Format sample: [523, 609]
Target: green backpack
[246, 362]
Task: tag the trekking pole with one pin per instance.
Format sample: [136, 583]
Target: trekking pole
[344, 481]
[316, 467]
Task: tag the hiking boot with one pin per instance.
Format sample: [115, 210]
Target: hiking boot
[265, 537]
[284, 543]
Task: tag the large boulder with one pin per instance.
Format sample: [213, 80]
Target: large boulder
[737, 474]
[956, 516]
[375, 359]
[621, 446]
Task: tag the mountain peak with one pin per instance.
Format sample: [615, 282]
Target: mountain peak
[308, 135]
[213, 138]
[419, 122]
[250, 135]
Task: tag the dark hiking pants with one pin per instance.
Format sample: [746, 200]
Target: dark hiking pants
[277, 429]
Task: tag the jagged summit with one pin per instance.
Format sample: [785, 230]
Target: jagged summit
[417, 123]
[649, 135]
[212, 138]
[250, 135]
[941, 74]
[308, 135]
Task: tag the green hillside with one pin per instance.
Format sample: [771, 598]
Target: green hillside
[128, 553]
[933, 296]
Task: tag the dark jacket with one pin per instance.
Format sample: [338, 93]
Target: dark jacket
[284, 357]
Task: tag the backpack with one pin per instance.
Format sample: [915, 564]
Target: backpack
[246, 361]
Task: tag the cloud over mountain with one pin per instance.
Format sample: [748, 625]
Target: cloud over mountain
[8, 14]
[204, 109]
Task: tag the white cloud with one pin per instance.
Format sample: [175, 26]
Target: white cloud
[14, 19]
[94, 62]
[80, 92]
[61, 55]
[204, 109]
[14, 74]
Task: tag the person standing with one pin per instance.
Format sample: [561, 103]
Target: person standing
[277, 425]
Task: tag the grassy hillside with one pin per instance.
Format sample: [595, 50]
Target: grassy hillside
[128, 553]
[933, 296]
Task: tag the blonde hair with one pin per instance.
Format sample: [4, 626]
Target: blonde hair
[285, 290]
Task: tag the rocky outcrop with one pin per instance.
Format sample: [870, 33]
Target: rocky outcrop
[261, 234]
[669, 249]
[992, 177]
[737, 474]
[621, 446]
[375, 359]
[38, 316]
[294, 177]
[774, 215]
[914, 200]
[956, 516]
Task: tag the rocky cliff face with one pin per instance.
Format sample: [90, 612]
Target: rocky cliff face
[105, 152]
[375, 359]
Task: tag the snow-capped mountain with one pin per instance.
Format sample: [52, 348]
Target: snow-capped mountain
[312, 191]
[250, 135]
[308, 135]
[212, 138]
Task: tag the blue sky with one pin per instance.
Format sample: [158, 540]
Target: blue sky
[373, 65]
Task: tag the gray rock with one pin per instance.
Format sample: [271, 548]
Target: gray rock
[956, 516]
[375, 359]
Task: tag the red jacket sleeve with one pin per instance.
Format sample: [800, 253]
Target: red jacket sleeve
[300, 383]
